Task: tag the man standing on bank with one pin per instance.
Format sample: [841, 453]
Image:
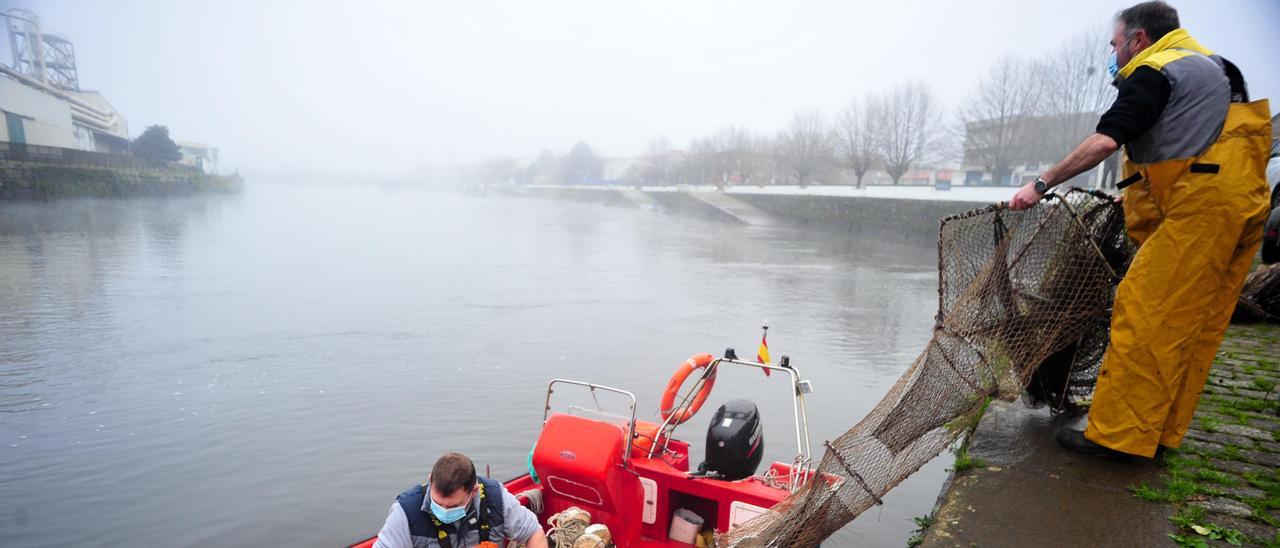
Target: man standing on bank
[455, 509]
[1195, 203]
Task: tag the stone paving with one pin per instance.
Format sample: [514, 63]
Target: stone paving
[1227, 472]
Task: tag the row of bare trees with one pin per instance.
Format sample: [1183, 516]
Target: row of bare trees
[896, 132]
[733, 154]
[1035, 110]
[1024, 111]
[581, 165]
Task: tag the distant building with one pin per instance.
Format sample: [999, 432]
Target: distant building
[37, 114]
[1030, 143]
[41, 98]
[198, 155]
[34, 117]
[109, 133]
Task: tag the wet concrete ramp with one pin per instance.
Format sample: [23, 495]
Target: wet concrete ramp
[741, 211]
[639, 198]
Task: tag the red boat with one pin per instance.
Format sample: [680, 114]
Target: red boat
[633, 476]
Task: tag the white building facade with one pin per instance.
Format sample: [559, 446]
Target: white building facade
[37, 114]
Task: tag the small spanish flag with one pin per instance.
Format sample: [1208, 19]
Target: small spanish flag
[762, 355]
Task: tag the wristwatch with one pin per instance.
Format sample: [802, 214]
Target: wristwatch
[1041, 186]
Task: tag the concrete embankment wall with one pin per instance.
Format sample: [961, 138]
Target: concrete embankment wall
[674, 202]
[35, 181]
[907, 221]
[895, 220]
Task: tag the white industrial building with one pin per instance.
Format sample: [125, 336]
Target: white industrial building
[41, 99]
[36, 115]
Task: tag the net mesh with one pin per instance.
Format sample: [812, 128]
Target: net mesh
[1024, 305]
[1260, 297]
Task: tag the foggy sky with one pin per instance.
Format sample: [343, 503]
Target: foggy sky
[385, 87]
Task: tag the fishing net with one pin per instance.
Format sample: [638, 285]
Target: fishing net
[1260, 296]
[1024, 305]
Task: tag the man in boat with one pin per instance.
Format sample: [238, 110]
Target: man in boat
[455, 509]
[1195, 203]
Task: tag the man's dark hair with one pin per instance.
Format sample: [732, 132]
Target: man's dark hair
[1157, 18]
[453, 471]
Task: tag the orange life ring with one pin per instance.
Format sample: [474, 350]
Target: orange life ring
[697, 361]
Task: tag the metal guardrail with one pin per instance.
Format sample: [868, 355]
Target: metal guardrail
[22, 152]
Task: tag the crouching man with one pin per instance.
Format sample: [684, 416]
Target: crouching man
[454, 509]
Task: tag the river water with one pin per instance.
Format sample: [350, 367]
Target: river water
[275, 366]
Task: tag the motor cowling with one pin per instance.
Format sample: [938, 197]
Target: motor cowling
[735, 442]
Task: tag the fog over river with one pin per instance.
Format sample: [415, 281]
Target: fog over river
[275, 366]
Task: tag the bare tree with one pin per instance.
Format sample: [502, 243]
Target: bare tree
[805, 148]
[756, 159]
[718, 155]
[1077, 89]
[656, 162]
[698, 164]
[909, 128]
[745, 155]
[857, 129]
[998, 118]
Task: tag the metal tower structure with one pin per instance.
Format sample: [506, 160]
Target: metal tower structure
[43, 57]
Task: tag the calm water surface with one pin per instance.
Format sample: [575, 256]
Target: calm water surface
[274, 367]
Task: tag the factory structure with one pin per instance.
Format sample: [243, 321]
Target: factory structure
[49, 117]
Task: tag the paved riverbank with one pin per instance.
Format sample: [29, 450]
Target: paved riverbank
[1221, 487]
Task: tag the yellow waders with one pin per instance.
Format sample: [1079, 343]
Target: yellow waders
[1198, 223]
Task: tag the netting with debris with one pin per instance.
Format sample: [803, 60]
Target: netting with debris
[1024, 304]
[1260, 297]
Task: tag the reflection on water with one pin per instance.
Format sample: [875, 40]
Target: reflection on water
[276, 366]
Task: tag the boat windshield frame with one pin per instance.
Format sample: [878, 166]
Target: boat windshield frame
[803, 461]
[592, 387]
[801, 466]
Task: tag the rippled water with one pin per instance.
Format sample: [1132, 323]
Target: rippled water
[274, 367]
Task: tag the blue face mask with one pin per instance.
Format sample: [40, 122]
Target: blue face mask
[1113, 66]
[449, 515]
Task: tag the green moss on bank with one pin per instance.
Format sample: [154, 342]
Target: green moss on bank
[1224, 481]
[23, 180]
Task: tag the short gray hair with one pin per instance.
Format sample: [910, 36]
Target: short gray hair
[1157, 18]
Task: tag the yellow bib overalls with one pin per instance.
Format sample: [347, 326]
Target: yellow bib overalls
[1197, 216]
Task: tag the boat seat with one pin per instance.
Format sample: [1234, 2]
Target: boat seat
[580, 459]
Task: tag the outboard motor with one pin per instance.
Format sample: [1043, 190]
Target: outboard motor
[735, 443]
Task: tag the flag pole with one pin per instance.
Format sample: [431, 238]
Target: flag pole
[764, 330]
[762, 355]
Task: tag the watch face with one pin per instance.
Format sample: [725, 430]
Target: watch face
[1041, 187]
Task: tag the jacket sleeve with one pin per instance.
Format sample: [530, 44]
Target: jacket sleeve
[395, 531]
[519, 523]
